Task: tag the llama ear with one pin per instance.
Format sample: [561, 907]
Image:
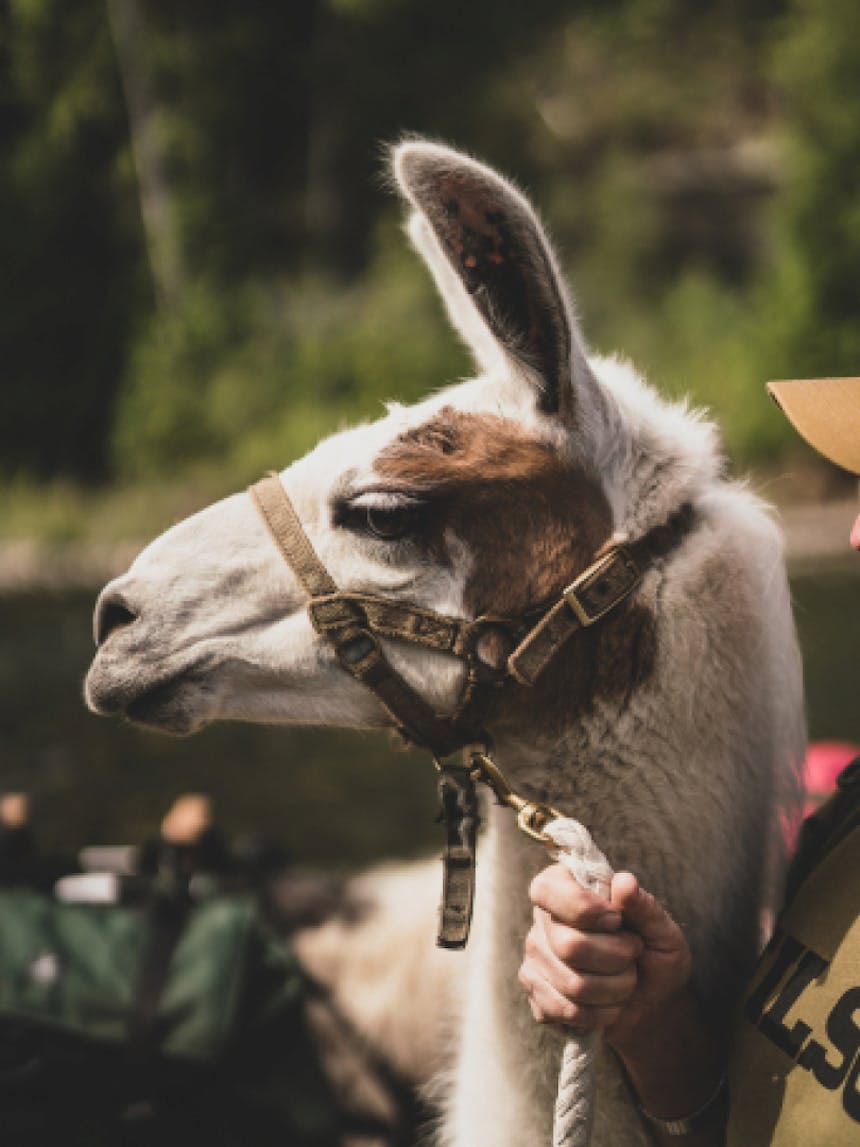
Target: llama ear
[494, 267]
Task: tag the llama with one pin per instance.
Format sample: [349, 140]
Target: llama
[673, 727]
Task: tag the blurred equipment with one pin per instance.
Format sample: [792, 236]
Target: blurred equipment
[22, 862]
[17, 842]
[155, 1007]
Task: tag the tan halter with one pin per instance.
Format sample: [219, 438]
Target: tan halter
[353, 624]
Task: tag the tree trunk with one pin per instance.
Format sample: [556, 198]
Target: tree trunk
[146, 130]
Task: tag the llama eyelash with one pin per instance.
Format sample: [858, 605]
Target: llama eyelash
[386, 515]
[384, 500]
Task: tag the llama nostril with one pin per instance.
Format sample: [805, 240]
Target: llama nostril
[112, 614]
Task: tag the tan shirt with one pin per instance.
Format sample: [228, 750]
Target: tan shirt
[795, 1066]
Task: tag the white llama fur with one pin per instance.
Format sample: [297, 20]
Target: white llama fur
[679, 781]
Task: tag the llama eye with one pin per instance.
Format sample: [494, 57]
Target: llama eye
[389, 523]
[380, 514]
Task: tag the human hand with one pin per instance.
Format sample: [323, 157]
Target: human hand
[622, 965]
[616, 964]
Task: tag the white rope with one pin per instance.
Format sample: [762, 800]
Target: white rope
[574, 1106]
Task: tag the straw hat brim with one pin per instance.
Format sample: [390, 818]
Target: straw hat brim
[826, 412]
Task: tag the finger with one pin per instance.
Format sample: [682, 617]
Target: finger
[548, 1006]
[613, 981]
[643, 913]
[604, 953]
[555, 890]
[589, 988]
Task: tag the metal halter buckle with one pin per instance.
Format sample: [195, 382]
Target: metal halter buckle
[602, 586]
[357, 647]
[474, 633]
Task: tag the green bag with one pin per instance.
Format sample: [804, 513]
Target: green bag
[165, 1023]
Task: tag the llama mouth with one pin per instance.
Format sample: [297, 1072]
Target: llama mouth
[169, 704]
[165, 707]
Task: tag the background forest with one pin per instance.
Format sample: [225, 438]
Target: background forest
[202, 269]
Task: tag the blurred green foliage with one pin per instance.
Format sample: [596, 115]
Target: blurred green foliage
[249, 378]
[203, 272]
[818, 70]
[72, 269]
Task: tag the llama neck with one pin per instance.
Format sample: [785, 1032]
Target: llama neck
[515, 1086]
[566, 774]
[549, 738]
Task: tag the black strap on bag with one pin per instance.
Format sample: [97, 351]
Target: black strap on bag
[168, 914]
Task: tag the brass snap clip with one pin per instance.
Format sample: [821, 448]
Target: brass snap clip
[532, 816]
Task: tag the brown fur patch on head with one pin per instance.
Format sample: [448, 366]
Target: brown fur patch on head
[532, 523]
[531, 520]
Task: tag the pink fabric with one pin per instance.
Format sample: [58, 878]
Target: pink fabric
[825, 760]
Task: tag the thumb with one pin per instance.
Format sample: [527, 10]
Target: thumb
[644, 914]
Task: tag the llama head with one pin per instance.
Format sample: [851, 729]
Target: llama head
[479, 500]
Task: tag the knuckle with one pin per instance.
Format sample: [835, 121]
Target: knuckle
[539, 887]
[631, 946]
[538, 1013]
[628, 980]
[553, 890]
[576, 1016]
[568, 945]
[533, 946]
[575, 987]
[617, 964]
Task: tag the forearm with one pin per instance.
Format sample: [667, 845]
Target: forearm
[674, 1068]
